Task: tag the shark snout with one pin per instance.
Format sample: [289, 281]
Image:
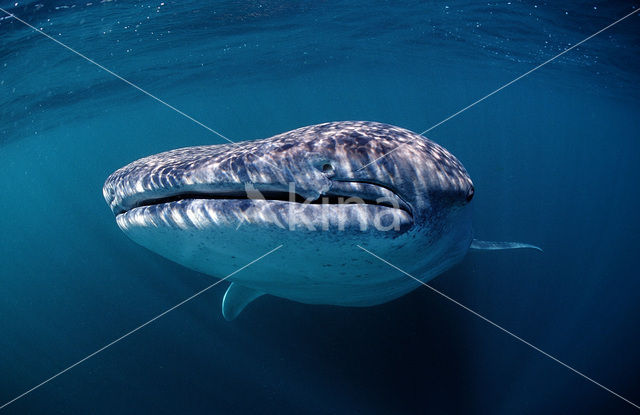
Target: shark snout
[208, 172]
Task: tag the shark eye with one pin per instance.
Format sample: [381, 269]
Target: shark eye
[470, 193]
[327, 168]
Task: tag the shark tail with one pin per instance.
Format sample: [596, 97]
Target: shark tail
[496, 246]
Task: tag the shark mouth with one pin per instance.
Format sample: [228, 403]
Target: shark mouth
[342, 192]
[345, 205]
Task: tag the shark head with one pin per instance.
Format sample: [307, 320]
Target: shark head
[318, 190]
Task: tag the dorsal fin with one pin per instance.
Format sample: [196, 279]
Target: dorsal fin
[236, 299]
[494, 246]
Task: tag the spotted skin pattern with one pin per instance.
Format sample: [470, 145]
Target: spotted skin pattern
[418, 166]
[190, 205]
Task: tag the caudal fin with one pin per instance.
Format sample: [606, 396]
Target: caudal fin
[496, 246]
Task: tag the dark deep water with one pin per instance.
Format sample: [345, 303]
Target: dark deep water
[554, 160]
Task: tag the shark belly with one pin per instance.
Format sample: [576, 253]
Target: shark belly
[314, 266]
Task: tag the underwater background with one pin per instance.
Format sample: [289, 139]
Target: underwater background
[554, 159]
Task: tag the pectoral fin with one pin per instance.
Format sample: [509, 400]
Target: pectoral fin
[236, 299]
[494, 246]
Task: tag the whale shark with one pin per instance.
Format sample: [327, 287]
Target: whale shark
[320, 191]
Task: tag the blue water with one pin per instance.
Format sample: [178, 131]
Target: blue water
[554, 159]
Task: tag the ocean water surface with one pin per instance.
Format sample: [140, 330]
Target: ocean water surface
[554, 158]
